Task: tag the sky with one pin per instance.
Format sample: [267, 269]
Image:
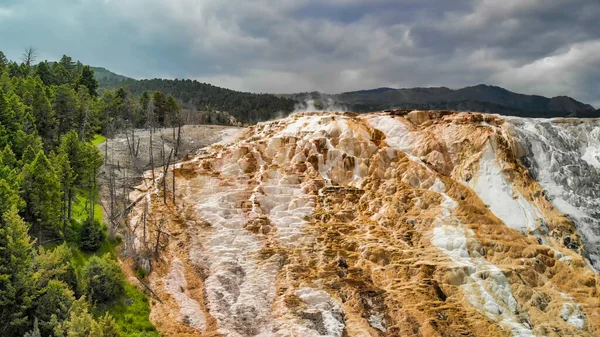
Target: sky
[545, 47]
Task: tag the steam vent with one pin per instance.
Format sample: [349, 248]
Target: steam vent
[402, 223]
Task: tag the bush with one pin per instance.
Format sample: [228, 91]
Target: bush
[102, 279]
[91, 236]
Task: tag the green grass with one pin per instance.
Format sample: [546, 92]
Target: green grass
[131, 311]
[98, 139]
[81, 207]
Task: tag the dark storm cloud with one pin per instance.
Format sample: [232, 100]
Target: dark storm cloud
[547, 47]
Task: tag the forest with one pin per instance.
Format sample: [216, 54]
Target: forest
[203, 97]
[59, 275]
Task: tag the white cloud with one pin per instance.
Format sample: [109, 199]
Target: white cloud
[567, 73]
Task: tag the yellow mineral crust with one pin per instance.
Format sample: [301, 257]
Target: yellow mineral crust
[385, 224]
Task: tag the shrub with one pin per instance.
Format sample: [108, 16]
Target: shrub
[102, 279]
[91, 236]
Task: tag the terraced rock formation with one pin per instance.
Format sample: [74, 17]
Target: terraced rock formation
[406, 223]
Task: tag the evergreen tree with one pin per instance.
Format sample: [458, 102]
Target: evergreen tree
[3, 61]
[84, 157]
[87, 80]
[9, 197]
[65, 108]
[92, 235]
[8, 117]
[108, 325]
[42, 194]
[45, 119]
[172, 109]
[35, 332]
[160, 107]
[42, 70]
[52, 304]
[102, 279]
[80, 322]
[15, 273]
[55, 264]
[144, 105]
[66, 177]
[27, 147]
[60, 75]
[14, 70]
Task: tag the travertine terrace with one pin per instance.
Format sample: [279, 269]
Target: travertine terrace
[405, 223]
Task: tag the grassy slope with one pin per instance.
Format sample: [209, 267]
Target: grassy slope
[98, 139]
[131, 311]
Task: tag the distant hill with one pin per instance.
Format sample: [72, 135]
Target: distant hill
[480, 98]
[107, 79]
[252, 107]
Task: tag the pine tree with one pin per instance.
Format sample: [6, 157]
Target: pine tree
[8, 116]
[60, 75]
[160, 107]
[172, 109]
[43, 71]
[9, 197]
[42, 194]
[87, 79]
[109, 326]
[91, 236]
[80, 322]
[66, 177]
[3, 61]
[55, 264]
[65, 108]
[45, 119]
[102, 279]
[35, 332]
[52, 304]
[15, 273]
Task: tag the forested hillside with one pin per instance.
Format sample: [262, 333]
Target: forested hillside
[55, 279]
[202, 97]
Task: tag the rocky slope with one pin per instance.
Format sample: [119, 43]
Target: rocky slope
[385, 224]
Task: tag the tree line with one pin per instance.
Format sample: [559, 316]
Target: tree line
[202, 97]
[49, 113]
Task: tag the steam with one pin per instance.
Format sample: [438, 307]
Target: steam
[319, 104]
[311, 104]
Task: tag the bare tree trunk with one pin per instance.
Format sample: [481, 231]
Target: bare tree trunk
[144, 216]
[152, 156]
[106, 141]
[173, 185]
[165, 171]
[158, 233]
[92, 185]
[178, 139]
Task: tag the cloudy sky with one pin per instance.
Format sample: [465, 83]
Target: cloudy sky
[547, 47]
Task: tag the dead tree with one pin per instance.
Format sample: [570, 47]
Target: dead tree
[173, 185]
[159, 232]
[29, 56]
[150, 113]
[164, 180]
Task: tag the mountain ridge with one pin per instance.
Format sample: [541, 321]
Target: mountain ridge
[253, 107]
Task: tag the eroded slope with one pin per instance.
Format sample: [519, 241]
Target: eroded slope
[401, 224]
